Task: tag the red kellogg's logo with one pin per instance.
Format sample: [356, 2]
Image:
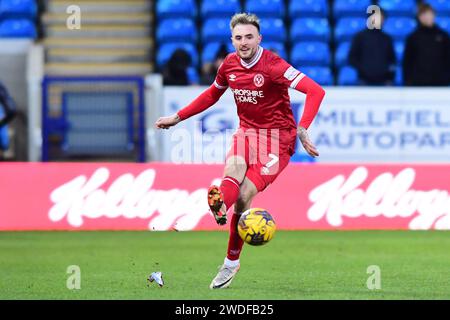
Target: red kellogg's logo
[129, 197]
[388, 195]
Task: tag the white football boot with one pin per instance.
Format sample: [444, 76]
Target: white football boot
[224, 276]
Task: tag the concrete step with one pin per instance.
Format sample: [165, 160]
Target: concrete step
[99, 31]
[98, 55]
[95, 18]
[93, 43]
[69, 69]
[103, 6]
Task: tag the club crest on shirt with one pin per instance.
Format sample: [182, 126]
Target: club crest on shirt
[258, 80]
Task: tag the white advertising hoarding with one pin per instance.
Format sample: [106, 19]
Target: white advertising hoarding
[353, 124]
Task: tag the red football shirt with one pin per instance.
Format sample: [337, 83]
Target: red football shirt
[260, 89]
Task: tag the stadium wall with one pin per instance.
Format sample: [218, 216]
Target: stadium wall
[162, 196]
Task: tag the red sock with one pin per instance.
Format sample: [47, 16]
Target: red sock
[235, 242]
[230, 190]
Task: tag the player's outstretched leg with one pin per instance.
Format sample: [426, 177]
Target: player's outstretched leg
[231, 263]
[221, 198]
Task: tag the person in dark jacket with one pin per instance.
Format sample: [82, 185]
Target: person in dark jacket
[175, 72]
[426, 59]
[210, 68]
[372, 54]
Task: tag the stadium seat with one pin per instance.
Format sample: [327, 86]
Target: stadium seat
[442, 7]
[444, 23]
[399, 47]
[308, 8]
[399, 28]
[343, 8]
[322, 75]
[273, 29]
[211, 49]
[347, 76]
[173, 30]
[310, 29]
[277, 47]
[17, 9]
[193, 76]
[217, 30]
[347, 27]
[4, 136]
[176, 9]
[219, 8]
[341, 54]
[17, 28]
[310, 54]
[166, 50]
[398, 81]
[398, 7]
[266, 8]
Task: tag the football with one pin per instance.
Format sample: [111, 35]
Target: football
[256, 226]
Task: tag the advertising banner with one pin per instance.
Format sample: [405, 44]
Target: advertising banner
[353, 125]
[157, 196]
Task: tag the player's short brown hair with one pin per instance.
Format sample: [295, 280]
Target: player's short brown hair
[244, 18]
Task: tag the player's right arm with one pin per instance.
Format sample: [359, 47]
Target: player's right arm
[208, 98]
[205, 100]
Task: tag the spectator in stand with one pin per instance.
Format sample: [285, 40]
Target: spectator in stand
[175, 72]
[426, 59]
[372, 54]
[209, 69]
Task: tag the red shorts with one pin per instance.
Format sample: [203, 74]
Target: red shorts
[266, 152]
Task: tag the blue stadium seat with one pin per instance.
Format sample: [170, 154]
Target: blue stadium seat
[310, 54]
[18, 9]
[193, 76]
[17, 28]
[219, 8]
[216, 29]
[344, 8]
[398, 7]
[398, 81]
[166, 50]
[399, 47]
[273, 29]
[444, 23]
[399, 28]
[310, 29]
[4, 136]
[442, 7]
[173, 30]
[176, 9]
[308, 8]
[322, 75]
[211, 49]
[341, 54]
[347, 27]
[347, 76]
[277, 47]
[266, 8]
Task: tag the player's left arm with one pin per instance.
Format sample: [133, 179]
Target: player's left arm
[285, 74]
[314, 96]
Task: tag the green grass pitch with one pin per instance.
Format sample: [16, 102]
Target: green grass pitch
[294, 265]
